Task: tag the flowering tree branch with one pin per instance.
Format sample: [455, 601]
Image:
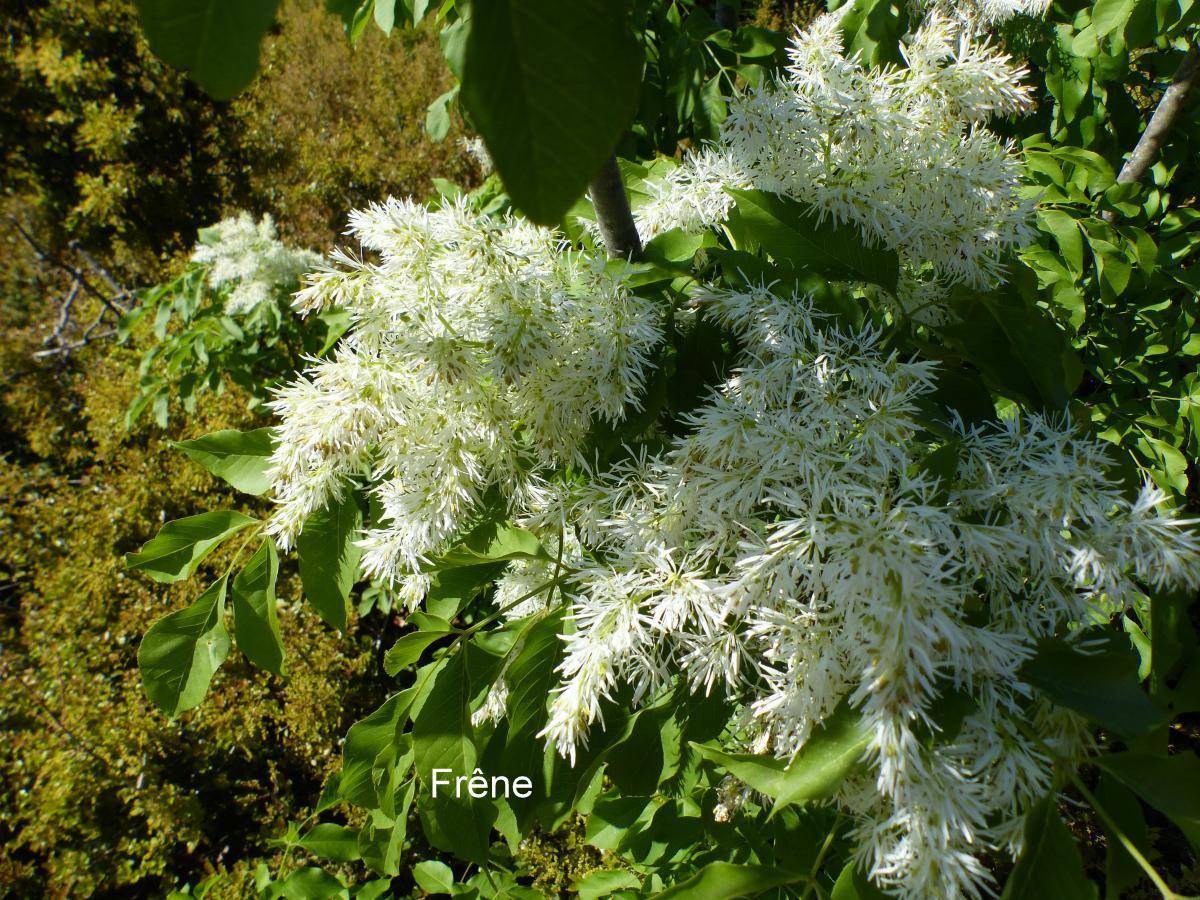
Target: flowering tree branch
[613, 215]
[1169, 107]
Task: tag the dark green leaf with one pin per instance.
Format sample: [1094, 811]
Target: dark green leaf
[1171, 784]
[443, 738]
[1017, 347]
[329, 558]
[853, 884]
[531, 676]
[255, 621]
[1050, 867]
[216, 41]
[179, 547]
[791, 233]
[239, 457]
[181, 651]
[1102, 684]
[551, 87]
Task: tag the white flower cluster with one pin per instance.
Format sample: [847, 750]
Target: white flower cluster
[797, 548]
[902, 153]
[481, 351]
[248, 257]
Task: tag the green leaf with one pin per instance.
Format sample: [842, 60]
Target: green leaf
[408, 649]
[853, 884]
[239, 457]
[531, 677]
[814, 773]
[437, 115]
[385, 15]
[873, 29]
[181, 651]
[333, 842]
[1171, 784]
[1102, 684]
[381, 840]
[1050, 867]
[492, 542]
[433, 877]
[1066, 233]
[329, 558]
[722, 881]
[791, 233]
[365, 740]
[602, 882]
[1017, 347]
[179, 547]
[1110, 15]
[551, 87]
[255, 621]
[453, 589]
[311, 883]
[443, 738]
[216, 41]
[1121, 871]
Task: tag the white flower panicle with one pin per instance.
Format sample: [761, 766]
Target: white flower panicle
[249, 258]
[481, 350]
[798, 548]
[902, 153]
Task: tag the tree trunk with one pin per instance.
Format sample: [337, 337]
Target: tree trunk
[613, 214]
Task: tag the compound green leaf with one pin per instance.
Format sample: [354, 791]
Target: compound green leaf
[181, 652]
[215, 41]
[255, 621]
[551, 87]
[179, 547]
[239, 457]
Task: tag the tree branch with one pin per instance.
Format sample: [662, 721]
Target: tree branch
[1173, 100]
[613, 215]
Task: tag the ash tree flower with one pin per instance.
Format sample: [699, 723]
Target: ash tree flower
[248, 259]
[903, 153]
[480, 353]
[794, 550]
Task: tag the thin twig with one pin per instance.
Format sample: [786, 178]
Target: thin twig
[46, 256]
